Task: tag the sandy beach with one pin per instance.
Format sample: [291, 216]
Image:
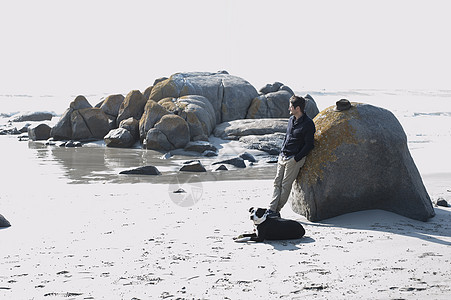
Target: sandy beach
[136, 241]
[82, 231]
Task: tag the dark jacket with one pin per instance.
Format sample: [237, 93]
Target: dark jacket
[299, 137]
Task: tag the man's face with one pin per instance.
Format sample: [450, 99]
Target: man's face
[292, 109]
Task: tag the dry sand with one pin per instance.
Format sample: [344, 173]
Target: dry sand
[137, 241]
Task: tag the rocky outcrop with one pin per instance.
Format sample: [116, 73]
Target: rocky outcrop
[360, 161]
[272, 103]
[81, 121]
[229, 95]
[39, 132]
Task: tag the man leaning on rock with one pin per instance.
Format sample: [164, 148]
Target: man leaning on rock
[297, 144]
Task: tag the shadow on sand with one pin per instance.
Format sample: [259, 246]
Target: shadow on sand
[436, 229]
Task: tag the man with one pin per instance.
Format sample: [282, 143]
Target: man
[297, 144]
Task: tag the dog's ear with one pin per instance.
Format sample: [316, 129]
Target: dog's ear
[250, 209]
[260, 212]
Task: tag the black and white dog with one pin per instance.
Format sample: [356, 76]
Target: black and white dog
[270, 228]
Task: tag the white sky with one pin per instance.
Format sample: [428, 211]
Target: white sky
[65, 46]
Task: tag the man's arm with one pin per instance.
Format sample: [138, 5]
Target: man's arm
[308, 142]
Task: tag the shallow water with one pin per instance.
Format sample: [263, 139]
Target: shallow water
[37, 162]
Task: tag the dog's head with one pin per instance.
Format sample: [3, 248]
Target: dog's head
[258, 215]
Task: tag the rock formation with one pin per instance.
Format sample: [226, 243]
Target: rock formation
[360, 161]
[81, 121]
[229, 95]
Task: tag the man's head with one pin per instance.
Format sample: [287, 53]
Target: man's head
[297, 106]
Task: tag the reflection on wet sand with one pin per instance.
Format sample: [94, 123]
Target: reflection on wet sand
[94, 164]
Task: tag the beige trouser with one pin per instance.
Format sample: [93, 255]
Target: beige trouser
[287, 171]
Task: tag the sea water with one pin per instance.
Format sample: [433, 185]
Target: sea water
[424, 115]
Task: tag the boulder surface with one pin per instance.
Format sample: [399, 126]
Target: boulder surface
[360, 162]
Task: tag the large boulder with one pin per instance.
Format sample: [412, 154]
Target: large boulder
[157, 140]
[119, 138]
[88, 123]
[62, 130]
[272, 103]
[131, 125]
[229, 95]
[175, 129]
[39, 132]
[234, 130]
[360, 162]
[311, 109]
[153, 112]
[112, 104]
[132, 106]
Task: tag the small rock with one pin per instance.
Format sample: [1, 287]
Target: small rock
[146, 170]
[272, 160]
[247, 156]
[71, 144]
[209, 153]
[4, 222]
[442, 202]
[179, 191]
[193, 166]
[237, 162]
[222, 168]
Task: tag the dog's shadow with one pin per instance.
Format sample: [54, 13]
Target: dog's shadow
[290, 245]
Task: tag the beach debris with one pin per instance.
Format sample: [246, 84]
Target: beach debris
[179, 191]
[442, 202]
[360, 161]
[193, 166]
[146, 170]
[236, 161]
[4, 222]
